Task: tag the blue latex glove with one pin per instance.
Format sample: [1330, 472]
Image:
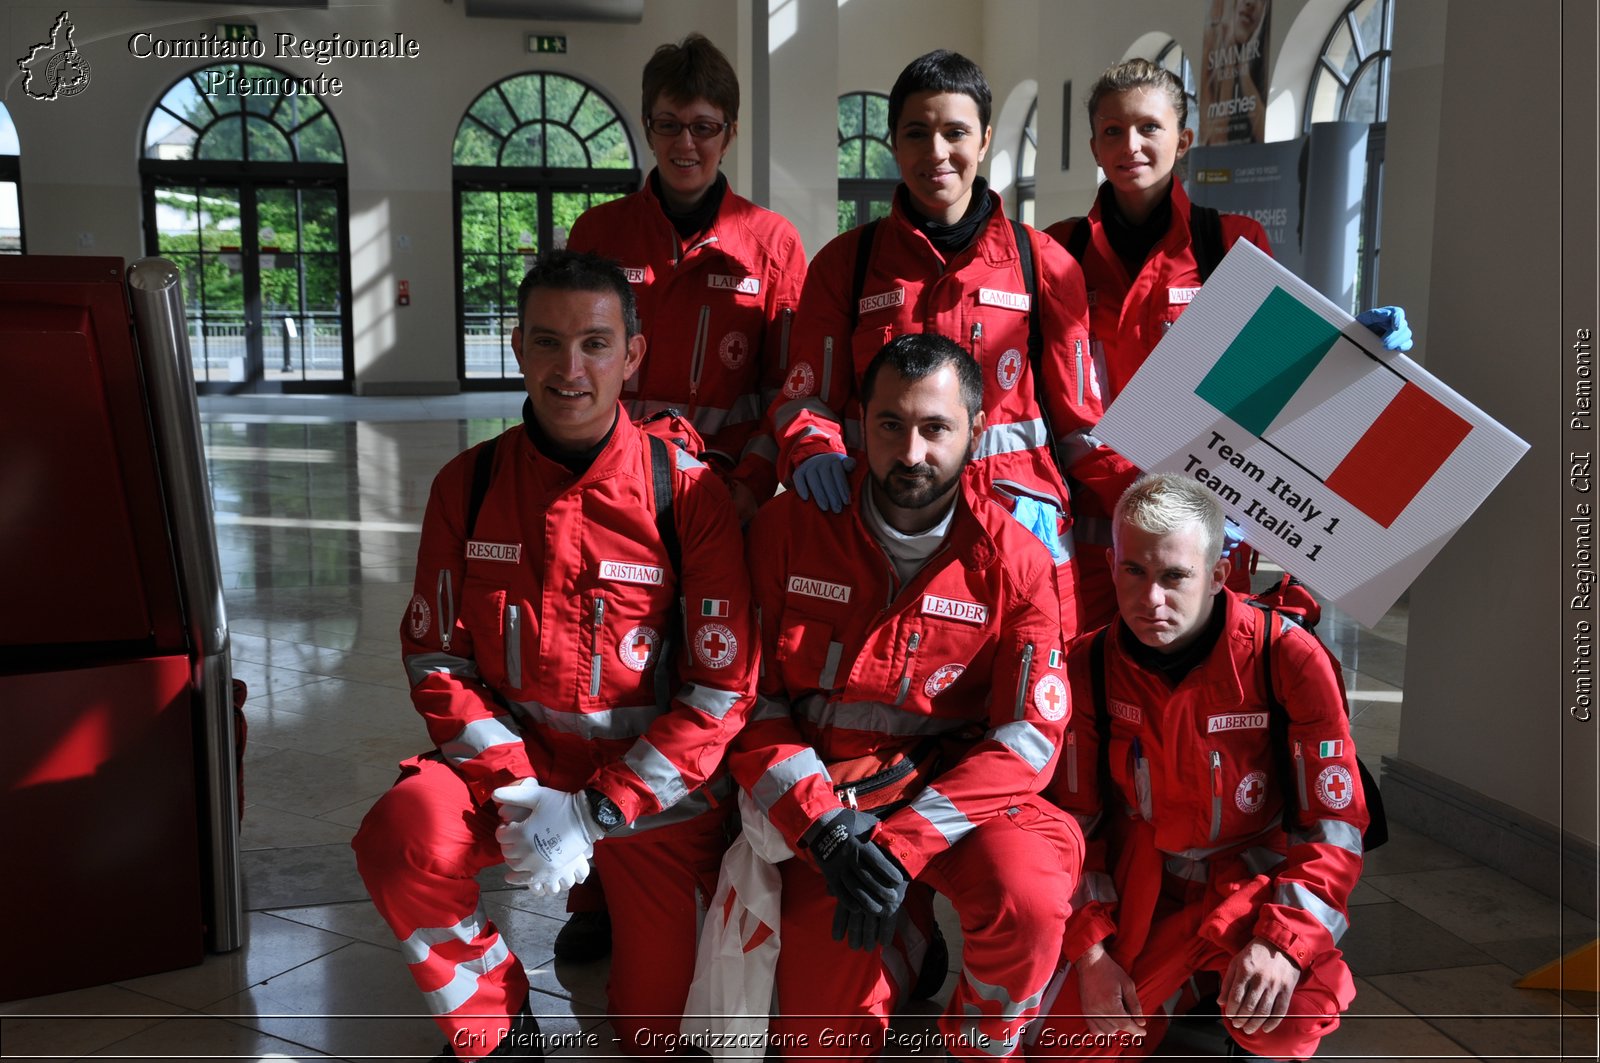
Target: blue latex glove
[1389, 322]
[824, 479]
[1232, 537]
[1042, 519]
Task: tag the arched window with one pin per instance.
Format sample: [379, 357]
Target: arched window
[245, 190]
[1350, 82]
[11, 242]
[532, 153]
[868, 173]
[1027, 164]
[1171, 57]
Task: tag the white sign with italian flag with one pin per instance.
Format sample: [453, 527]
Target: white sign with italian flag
[1348, 465]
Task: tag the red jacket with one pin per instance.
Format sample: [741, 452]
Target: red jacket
[717, 315]
[1128, 316]
[533, 649]
[1197, 765]
[977, 298]
[956, 679]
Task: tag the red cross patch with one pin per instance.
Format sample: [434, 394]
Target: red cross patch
[419, 615]
[1251, 792]
[800, 381]
[734, 349]
[942, 678]
[1008, 370]
[1335, 786]
[1050, 697]
[638, 646]
[715, 646]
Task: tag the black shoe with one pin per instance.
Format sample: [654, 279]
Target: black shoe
[935, 967]
[585, 938]
[522, 1040]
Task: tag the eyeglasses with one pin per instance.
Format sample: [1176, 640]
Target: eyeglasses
[700, 129]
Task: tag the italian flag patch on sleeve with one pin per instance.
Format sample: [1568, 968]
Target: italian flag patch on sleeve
[713, 607]
[1055, 658]
[1328, 750]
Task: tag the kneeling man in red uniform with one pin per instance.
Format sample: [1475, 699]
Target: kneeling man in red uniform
[1225, 818]
[910, 708]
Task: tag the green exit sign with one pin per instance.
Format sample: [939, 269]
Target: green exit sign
[547, 44]
[237, 31]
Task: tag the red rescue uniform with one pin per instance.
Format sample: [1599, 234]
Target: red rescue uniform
[533, 650]
[977, 298]
[1200, 852]
[717, 312]
[1128, 316]
[939, 706]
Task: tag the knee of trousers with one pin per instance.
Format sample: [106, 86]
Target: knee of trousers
[415, 832]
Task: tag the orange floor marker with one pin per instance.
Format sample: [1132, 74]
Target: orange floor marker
[1578, 969]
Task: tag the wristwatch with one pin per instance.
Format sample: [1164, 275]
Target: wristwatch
[605, 811]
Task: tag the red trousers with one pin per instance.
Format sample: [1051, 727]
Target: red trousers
[418, 851]
[1009, 881]
[1173, 953]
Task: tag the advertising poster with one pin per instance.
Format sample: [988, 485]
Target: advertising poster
[1266, 182]
[1348, 465]
[1233, 76]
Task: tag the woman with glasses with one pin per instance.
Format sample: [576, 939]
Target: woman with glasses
[717, 277]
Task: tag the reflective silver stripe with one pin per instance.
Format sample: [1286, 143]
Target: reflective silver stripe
[480, 735]
[769, 709]
[782, 776]
[974, 1039]
[830, 665]
[809, 404]
[422, 940]
[420, 666]
[827, 367]
[1010, 438]
[694, 805]
[464, 984]
[1201, 854]
[897, 964]
[658, 773]
[946, 818]
[1261, 860]
[1294, 895]
[707, 420]
[697, 360]
[1193, 870]
[1094, 886]
[623, 721]
[1335, 832]
[709, 700]
[1024, 739]
[1073, 447]
[872, 716]
[1087, 824]
[761, 447]
[687, 461]
[1009, 1009]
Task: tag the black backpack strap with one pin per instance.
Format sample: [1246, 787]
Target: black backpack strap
[1078, 242]
[482, 470]
[1102, 714]
[661, 487]
[858, 283]
[1205, 237]
[1030, 284]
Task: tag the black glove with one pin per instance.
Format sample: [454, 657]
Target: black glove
[866, 881]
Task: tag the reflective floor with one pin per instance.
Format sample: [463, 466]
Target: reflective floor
[319, 502]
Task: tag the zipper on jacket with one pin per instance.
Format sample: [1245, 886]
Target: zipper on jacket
[514, 645]
[1141, 782]
[698, 362]
[905, 674]
[1216, 794]
[1072, 760]
[1022, 680]
[827, 368]
[783, 342]
[873, 783]
[976, 341]
[1300, 775]
[444, 600]
[598, 617]
[1077, 360]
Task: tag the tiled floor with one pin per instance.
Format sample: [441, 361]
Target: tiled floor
[318, 505]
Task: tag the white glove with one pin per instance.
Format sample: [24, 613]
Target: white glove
[547, 836]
